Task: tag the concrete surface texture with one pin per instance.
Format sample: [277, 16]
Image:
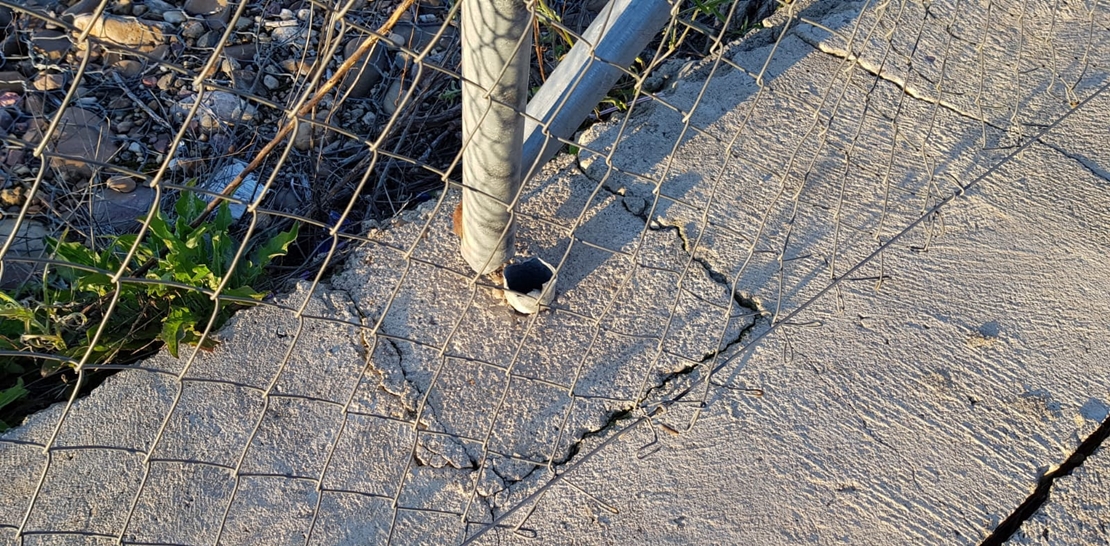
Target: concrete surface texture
[844, 284]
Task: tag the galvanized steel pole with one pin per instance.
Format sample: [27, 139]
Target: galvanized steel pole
[495, 62]
[617, 35]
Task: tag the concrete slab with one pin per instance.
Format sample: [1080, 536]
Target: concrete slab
[891, 373]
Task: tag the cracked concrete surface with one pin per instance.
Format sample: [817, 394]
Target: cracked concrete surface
[915, 399]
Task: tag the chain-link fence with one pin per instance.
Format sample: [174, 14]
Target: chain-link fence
[240, 224]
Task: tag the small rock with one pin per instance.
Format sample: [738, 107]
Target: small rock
[158, 6]
[392, 98]
[33, 103]
[166, 81]
[29, 241]
[635, 205]
[6, 121]
[81, 135]
[12, 197]
[287, 14]
[362, 78]
[122, 7]
[229, 65]
[49, 81]
[192, 29]
[161, 144]
[121, 183]
[120, 212]
[297, 67]
[217, 108]
[175, 17]
[294, 36]
[302, 137]
[159, 53]
[12, 81]
[209, 39]
[135, 147]
[244, 78]
[124, 126]
[128, 68]
[418, 37]
[270, 82]
[304, 14]
[51, 44]
[240, 52]
[370, 118]
[205, 7]
[125, 31]
[9, 99]
[14, 159]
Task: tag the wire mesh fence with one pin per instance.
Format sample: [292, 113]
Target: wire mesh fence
[249, 210]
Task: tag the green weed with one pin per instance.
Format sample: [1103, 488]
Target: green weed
[54, 324]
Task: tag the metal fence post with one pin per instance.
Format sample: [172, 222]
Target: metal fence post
[495, 61]
[617, 35]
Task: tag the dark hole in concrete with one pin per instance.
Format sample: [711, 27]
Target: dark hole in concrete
[527, 276]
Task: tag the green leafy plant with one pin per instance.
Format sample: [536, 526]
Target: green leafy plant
[57, 321]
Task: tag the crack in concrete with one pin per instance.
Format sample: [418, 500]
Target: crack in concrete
[429, 416]
[1083, 160]
[615, 418]
[742, 301]
[1043, 490]
[902, 84]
